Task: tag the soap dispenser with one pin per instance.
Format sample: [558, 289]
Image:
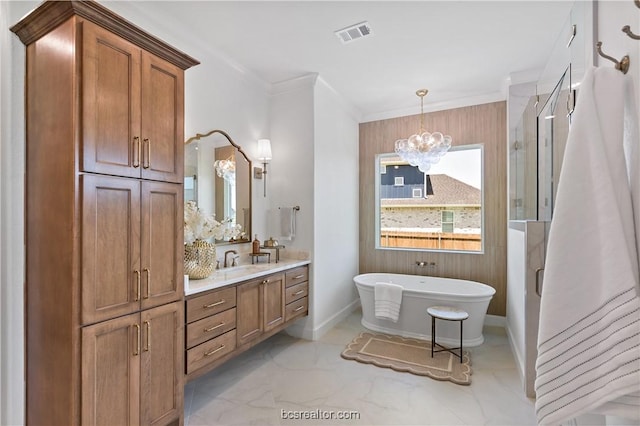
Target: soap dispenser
[256, 245]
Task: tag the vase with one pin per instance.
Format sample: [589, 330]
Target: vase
[199, 259]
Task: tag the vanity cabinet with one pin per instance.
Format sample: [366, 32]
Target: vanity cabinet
[296, 293]
[131, 245]
[104, 315]
[130, 100]
[129, 373]
[224, 322]
[211, 327]
[260, 307]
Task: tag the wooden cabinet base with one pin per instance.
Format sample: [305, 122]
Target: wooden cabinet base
[199, 370]
[225, 322]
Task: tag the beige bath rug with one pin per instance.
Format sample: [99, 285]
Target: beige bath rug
[409, 355]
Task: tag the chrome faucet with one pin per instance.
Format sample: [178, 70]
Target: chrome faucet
[233, 258]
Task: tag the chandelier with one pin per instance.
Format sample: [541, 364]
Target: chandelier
[423, 149]
[226, 169]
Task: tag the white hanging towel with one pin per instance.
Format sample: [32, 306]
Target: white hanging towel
[589, 331]
[287, 223]
[388, 300]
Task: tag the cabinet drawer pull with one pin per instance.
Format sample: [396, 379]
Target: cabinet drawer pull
[214, 351]
[299, 308]
[298, 277]
[136, 351]
[206, 330]
[137, 285]
[148, 273]
[265, 281]
[211, 305]
[136, 152]
[298, 292]
[148, 324]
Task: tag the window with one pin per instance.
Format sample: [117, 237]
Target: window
[446, 221]
[438, 211]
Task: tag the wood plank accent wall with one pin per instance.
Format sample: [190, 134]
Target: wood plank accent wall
[469, 125]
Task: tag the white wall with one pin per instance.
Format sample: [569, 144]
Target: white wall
[612, 16]
[336, 208]
[516, 267]
[290, 175]
[314, 137]
[12, 64]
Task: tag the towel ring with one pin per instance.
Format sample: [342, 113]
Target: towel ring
[622, 65]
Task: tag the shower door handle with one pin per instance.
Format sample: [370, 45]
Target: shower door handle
[539, 281]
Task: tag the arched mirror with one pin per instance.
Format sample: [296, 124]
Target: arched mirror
[217, 176]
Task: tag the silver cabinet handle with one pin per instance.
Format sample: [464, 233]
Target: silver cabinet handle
[299, 308]
[539, 281]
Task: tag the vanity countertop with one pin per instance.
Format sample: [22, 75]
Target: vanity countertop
[228, 276]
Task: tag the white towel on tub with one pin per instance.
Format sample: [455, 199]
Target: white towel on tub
[388, 298]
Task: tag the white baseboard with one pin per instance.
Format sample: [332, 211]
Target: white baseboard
[519, 358]
[495, 321]
[305, 330]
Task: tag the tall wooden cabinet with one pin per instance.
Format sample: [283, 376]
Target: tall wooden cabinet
[104, 165]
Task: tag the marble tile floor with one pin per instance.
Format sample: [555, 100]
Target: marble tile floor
[285, 376]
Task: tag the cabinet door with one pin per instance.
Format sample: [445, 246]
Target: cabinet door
[249, 311]
[162, 243]
[110, 247]
[110, 383]
[161, 397]
[273, 291]
[110, 142]
[162, 120]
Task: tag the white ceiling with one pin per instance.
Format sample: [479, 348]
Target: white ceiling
[457, 49]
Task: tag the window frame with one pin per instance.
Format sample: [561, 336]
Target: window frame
[377, 202]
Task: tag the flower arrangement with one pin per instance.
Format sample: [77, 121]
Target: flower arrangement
[200, 226]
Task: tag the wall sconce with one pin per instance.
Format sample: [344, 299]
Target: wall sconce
[264, 155]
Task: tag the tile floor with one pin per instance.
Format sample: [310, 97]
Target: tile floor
[284, 374]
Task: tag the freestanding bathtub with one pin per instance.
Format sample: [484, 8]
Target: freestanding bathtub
[421, 292]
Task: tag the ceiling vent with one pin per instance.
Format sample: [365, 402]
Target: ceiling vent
[354, 32]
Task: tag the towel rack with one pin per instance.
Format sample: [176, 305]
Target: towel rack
[627, 29]
[622, 64]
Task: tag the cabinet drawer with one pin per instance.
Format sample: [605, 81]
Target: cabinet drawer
[297, 308]
[297, 275]
[210, 351]
[296, 292]
[210, 327]
[210, 303]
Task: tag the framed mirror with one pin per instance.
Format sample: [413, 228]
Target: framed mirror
[441, 210]
[218, 178]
